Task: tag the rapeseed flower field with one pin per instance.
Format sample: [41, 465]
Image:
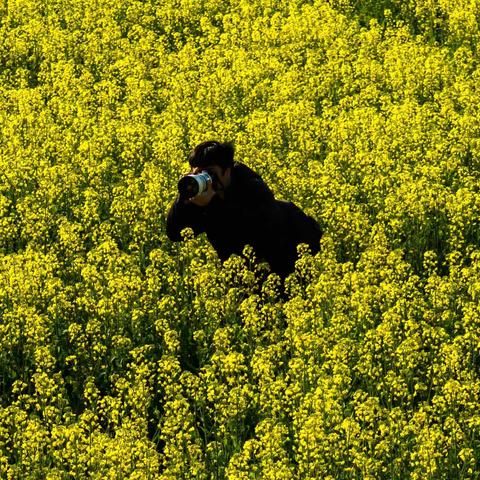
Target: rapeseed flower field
[126, 356]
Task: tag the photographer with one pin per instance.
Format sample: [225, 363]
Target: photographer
[236, 208]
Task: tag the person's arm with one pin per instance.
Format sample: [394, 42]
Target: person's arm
[183, 214]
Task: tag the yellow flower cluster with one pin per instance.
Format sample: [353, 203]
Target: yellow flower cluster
[124, 355]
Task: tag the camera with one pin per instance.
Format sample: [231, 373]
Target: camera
[195, 184]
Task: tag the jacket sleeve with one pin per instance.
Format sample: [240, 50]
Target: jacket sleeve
[182, 215]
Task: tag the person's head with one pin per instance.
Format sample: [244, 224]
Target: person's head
[214, 156]
[212, 153]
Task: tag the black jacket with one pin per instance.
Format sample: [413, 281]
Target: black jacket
[248, 214]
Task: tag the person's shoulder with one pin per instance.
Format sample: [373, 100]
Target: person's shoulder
[250, 183]
[242, 172]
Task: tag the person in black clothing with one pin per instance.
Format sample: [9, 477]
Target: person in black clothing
[241, 211]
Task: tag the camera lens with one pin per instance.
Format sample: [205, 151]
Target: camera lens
[192, 185]
[188, 187]
[213, 178]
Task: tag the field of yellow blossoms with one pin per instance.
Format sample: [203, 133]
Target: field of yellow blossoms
[126, 356]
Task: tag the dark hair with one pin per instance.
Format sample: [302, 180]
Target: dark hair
[212, 153]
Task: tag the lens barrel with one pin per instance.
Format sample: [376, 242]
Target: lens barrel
[193, 184]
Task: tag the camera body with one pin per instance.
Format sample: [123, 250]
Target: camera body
[195, 184]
